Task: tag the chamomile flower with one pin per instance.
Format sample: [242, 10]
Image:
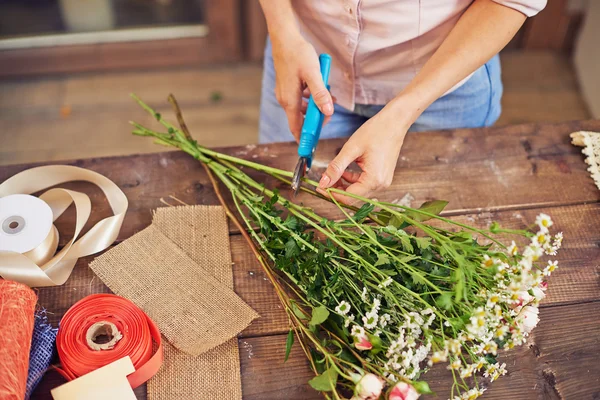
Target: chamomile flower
[493, 300]
[363, 295]
[472, 394]
[437, 357]
[343, 308]
[387, 282]
[490, 347]
[513, 250]
[370, 320]
[501, 332]
[453, 346]
[488, 262]
[544, 222]
[550, 268]
[376, 306]
[384, 319]
[541, 238]
[558, 238]
[467, 372]
[357, 331]
[455, 365]
[349, 320]
[481, 362]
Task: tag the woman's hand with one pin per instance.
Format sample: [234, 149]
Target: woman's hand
[298, 74]
[375, 147]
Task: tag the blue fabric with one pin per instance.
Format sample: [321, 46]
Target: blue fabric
[475, 104]
[42, 350]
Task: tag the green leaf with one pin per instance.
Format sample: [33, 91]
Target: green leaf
[422, 387]
[291, 222]
[296, 310]
[288, 344]
[382, 259]
[369, 231]
[363, 212]
[396, 221]
[291, 248]
[494, 227]
[319, 315]
[445, 301]
[326, 381]
[432, 207]
[405, 239]
[422, 242]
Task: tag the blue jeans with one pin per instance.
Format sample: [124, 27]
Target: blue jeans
[473, 105]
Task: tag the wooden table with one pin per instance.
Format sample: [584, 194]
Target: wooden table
[505, 174]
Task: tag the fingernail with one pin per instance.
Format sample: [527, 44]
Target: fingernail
[324, 182]
[328, 109]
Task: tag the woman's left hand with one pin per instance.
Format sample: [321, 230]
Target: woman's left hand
[375, 148]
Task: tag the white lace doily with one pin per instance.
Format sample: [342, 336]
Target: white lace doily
[591, 141]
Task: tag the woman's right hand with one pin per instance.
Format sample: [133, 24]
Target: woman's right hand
[297, 69]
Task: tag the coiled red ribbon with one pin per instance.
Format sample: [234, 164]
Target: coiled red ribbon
[138, 331]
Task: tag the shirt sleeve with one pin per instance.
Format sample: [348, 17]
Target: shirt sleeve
[527, 7]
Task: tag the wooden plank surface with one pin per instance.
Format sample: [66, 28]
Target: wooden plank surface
[558, 362]
[576, 280]
[505, 174]
[519, 166]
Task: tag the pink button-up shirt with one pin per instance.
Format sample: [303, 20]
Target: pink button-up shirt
[378, 46]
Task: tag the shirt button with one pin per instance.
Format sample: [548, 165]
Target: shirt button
[347, 75]
[349, 10]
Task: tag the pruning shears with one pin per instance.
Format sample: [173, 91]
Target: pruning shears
[311, 129]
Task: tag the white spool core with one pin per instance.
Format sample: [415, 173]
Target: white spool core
[105, 329]
[25, 222]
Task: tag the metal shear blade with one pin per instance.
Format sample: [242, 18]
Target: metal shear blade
[299, 172]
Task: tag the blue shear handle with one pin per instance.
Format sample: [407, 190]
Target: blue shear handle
[313, 121]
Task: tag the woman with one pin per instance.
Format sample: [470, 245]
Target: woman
[398, 66]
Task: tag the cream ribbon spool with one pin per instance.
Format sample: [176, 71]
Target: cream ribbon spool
[40, 266]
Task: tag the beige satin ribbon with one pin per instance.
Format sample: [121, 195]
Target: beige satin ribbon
[56, 270]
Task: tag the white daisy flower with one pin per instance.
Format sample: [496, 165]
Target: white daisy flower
[343, 308]
[370, 320]
[544, 222]
[488, 262]
[513, 250]
[552, 265]
[557, 243]
[467, 372]
[357, 331]
[384, 319]
[455, 365]
[387, 282]
[349, 320]
[363, 295]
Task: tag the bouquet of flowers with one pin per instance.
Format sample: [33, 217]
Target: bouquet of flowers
[379, 296]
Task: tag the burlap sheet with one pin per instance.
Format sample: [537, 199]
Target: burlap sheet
[214, 375]
[192, 309]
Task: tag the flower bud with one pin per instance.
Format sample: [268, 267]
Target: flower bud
[369, 387]
[538, 293]
[403, 391]
[528, 318]
[362, 343]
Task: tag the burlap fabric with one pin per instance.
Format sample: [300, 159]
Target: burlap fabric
[187, 266]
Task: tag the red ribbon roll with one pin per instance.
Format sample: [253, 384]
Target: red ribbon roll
[137, 329]
[17, 305]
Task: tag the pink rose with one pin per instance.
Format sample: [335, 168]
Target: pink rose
[369, 387]
[362, 343]
[403, 391]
